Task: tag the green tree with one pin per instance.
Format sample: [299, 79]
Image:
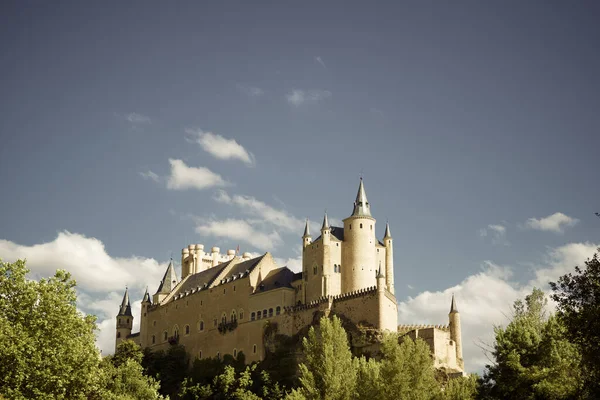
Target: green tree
[532, 357]
[170, 367]
[578, 299]
[330, 371]
[126, 381]
[407, 370]
[368, 380]
[47, 348]
[127, 350]
[461, 388]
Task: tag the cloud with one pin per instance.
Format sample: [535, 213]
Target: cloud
[101, 278]
[250, 91]
[299, 97]
[556, 223]
[240, 230]
[485, 299]
[149, 175]
[320, 61]
[184, 177]
[496, 232]
[136, 118]
[220, 147]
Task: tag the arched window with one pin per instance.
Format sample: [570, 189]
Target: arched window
[241, 314]
[233, 316]
[234, 352]
[350, 226]
[153, 339]
[252, 316]
[118, 335]
[176, 331]
[315, 269]
[165, 334]
[201, 325]
[278, 310]
[258, 315]
[360, 226]
[187, 329]
[218, 355]
[224, 318]
[200, 354]
[153, 323]
[254, 349]
[264, 313]
[270, 312]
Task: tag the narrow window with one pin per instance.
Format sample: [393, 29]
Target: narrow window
[360, 226]
[118, 335]
[234, 353]
[234, 288]
[278, 310]
[153, 323]
[187, 329]
[214, 322]
[270, 312]
[252, 316]
[371, 227]
[233, 316]
[119, 321]
[200, 354]
[254, 349]
[241, 315]
[165, 334]
[350, 226]
[258, 314]
[223, 290]
[153, 339]
[265, 313]
[201, 325]
[218, 355]
[224, 318]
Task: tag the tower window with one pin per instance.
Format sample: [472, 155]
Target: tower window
[118, 335]
[350, 226]
[315, 269]
[127, 320]
[201, 325]
[235, 352]
[200, 354]
[153, 323]
[153, 339]
[165, 334]
[254, 349]
[187, 329]
[360, 226]
[371, 227]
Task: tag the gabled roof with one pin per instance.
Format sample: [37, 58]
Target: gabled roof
[277, 278]
[337, 232]
[169, 280]
[203, 279]
[240, 269]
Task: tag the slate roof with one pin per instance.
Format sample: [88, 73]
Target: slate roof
[168, 281]
[336, 231]
[203, 279]
[277, 278]
[242, 267]
[125, 309]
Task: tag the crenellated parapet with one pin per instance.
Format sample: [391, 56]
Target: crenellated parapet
[408, 328]
[355, 293]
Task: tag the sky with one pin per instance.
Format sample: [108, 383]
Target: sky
[129, 130]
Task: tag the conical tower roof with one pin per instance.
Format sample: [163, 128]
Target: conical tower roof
[453, 308]
[125, 309]
[146, 297]
[306, 229]
[388, 234]
[325, 222]
[361, 205]
[169, 280]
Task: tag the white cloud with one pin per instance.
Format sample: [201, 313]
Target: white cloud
[149, 175]
[320, 61]
[250, 91]
[556, 223]
[299, 97]
[136, 118]
[101, 278]
[496, 232]
[241, 230]
[485, 299]
[184, 177]
[220, 147]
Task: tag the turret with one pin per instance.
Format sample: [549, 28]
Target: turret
[389, 259]
[198, 252]
[215, 255]
[306, 238]
[327, 269]
[455, 331]
[124, 320]
[358, 252]
[143, 318]
[167, 284]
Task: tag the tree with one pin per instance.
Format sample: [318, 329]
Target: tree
[127, 350]
[170, 367]
[330, 371]
[407, 370]
[126, 381]
[533, 358]
[47, 348]
[461, 388]
[578, 301]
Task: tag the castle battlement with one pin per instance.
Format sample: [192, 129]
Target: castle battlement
[408, 328]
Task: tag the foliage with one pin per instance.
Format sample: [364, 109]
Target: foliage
[329, 371]
[225, 327]
[533, 358]
[461, 388]
[407, 370]
[169, 367]
[578, 302]
[47, 348]
[126, 381]
[127, 350]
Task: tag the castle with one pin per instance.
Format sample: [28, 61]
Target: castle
[222, 303]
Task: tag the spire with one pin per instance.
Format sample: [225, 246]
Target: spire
[361, 205]
[125, 308]
[306, 230]
[168, 281]
[146, 296]
[325, 222]
[453, 308]
[388, 234]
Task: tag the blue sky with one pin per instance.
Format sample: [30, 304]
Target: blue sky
[474, 125]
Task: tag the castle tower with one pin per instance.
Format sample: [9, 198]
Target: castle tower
[167, 284]
[455, 334]
[124, 320]
[327, 272]
[358, 251]
[306, 238]
[389, 259]
[143, 319]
